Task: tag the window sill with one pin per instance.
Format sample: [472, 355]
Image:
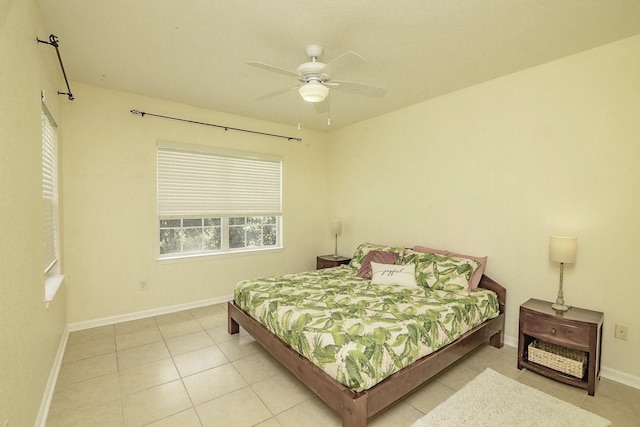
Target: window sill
[208, 256]
[51, 286]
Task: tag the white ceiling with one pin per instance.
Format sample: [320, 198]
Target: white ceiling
[195, 51]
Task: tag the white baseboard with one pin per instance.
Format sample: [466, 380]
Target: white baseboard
[620, 377]
[104, 321]
[511, 341]
[41, 419]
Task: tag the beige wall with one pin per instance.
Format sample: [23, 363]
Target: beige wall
[493, 169]
[29, 332]
[109, 183]
[497, 168]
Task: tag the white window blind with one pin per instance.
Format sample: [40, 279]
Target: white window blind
[196, 181]
[49, 191]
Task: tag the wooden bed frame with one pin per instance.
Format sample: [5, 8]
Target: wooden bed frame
[357, 407]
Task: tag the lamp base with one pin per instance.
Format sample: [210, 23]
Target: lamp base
[560, 307]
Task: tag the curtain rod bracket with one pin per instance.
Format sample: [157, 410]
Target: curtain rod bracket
[226, 128]
[53, 41]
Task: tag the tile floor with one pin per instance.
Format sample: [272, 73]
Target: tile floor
[184, 370]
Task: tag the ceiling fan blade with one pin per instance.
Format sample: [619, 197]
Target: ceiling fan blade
[276, 93]
[273, 68]
[359, 88]
[342, 63]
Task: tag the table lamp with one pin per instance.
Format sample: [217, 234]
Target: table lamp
[562, 250]
[336, 228]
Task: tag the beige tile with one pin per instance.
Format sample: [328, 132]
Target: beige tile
[240, 347]
[181, 328]
[282, 392]
[618, 391]
[91, 334]
[85, 369]
[155, 403]
[503, 360]
[135, 326]
[207, 310]
[457, 376]
[177, 317]
[86, 349]
[140, 355]
[147, 376]
[90, 393]
[568, 393]
[271, 422]
[429, 396]
[312, 413]
[400, 414]
[199, 360]
[258, 367]
[187, 343]
[241, 408]
[219, 334]
[213, 383]
[135, 339]
[188, 418]
[99, 415]
[93, 392]
[213, 320]
[616, 402]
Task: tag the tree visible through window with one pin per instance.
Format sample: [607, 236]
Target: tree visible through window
[251, 232]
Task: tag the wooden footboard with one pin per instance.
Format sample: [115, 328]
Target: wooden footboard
[357, 408]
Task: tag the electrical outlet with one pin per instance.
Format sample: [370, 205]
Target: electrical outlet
[622, 332]
[143, 285]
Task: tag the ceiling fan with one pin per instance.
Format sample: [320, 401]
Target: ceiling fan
[317, 78]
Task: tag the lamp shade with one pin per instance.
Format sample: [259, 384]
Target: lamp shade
[314, 91]
[336, 227]
[563, 249]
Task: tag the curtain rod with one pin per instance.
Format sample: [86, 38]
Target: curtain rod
[289, 138]
[53, 41]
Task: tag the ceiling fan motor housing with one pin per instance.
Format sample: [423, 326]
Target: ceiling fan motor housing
[314, 51]
[310, 70]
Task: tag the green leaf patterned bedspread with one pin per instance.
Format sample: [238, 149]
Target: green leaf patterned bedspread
[356, 332]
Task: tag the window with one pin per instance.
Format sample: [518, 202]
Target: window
[217, 201]
[51, 265]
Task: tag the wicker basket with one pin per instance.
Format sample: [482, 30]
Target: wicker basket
[566, 360]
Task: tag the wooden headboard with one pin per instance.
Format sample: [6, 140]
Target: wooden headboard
[487, 282]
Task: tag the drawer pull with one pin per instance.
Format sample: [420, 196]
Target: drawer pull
[553, 331]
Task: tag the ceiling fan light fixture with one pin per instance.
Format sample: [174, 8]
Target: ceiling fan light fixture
[313, 91]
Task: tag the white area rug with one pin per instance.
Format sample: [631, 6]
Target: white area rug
[492, 399]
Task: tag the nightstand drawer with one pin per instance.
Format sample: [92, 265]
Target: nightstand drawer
[552, 330]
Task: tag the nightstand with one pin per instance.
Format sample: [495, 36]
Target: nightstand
[576, 329]
[328, 261]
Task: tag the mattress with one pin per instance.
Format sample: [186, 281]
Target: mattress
[357, 332]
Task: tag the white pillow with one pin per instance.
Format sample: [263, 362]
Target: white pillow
[390, 274]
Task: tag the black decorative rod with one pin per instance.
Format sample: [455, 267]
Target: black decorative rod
[53, 41]
[289, 138]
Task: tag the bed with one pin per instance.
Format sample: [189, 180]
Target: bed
[361, 344]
